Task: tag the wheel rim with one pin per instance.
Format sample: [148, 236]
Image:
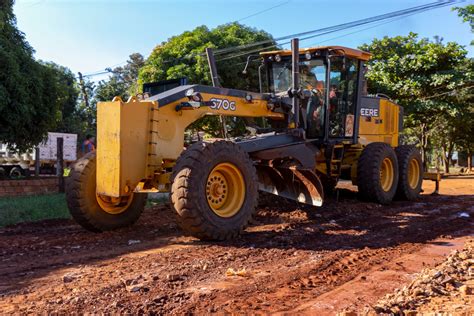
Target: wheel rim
[114, 205]
[225, 190]
[413, 173]
[386, 174]
[15, 174]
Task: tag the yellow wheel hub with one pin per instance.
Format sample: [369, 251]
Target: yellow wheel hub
[225, 190]
[386, 174]
[114, 205]
[413, 173]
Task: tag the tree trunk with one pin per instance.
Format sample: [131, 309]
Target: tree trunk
[424, 146]
[450, 154]
[469, 160]
[445, 159]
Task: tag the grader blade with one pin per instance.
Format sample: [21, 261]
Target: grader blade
[300, 185]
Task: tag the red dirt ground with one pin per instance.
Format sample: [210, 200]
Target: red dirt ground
[345, 255]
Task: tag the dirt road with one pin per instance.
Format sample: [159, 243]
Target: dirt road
[347, 254]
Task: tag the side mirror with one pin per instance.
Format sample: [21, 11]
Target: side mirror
[249, 59]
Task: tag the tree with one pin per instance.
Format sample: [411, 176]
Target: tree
[422, 76]
[465, 119]
[28, 90]
[107, 90]
[467, 14]
[466, 130]
[87, 112]
[122, 82]
[128, 74]
[183, 56]
[68, 119]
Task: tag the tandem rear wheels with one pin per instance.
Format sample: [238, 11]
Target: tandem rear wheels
[95, 212]
[384, 173]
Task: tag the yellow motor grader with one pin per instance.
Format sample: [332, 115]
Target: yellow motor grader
[324, 129]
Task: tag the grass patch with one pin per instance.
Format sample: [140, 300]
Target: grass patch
[20, 209]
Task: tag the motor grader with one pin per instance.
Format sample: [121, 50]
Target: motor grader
[325, 128]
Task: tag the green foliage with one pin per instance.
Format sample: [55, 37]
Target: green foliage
[182, 56]
[122, 82]
[68, 118]
[28, 89]
[427, 78]
[467, 15]
[411, 70]
[107, 90]
[464, 121]
[86, 113]
[20, 209]
[128, 74]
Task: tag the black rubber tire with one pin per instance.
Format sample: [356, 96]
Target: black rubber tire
[83, 206]
[368, 173]
[188, 190]
[405, 154]
[16, 172]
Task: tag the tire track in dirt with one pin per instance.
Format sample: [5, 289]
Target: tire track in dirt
[292, 254]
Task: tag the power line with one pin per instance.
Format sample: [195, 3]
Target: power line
[313, 33]
[327, 30]
[99, 72]
[332, 29]
[263, 11]
[288, 42]
[96, 74]
[361, 30]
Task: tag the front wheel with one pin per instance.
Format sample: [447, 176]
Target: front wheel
[214, 190]
[96, 212]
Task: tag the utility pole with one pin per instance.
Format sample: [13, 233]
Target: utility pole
[37, 162]
[60, 163]
[83, 89]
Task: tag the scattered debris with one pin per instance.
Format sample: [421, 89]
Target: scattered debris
[136, 288]
[69, 277]
[240, 272]
[451, 281]
[464, 214]
[133, 242]
[173, 277]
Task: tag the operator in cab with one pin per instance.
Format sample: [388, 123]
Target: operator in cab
[314, 106]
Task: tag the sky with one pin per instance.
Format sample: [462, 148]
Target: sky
[91, 35]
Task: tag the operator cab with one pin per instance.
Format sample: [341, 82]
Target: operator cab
[330, 87]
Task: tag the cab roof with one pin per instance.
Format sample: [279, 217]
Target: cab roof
[341, 50]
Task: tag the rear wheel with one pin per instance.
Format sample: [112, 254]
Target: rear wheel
[98, 212]
[214, 190]
[377, 173]
[16, 173]
[411, 172]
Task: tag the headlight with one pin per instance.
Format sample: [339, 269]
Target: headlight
[277, 58]
[308, 55]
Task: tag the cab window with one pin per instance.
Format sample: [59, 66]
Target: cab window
[342, 96]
